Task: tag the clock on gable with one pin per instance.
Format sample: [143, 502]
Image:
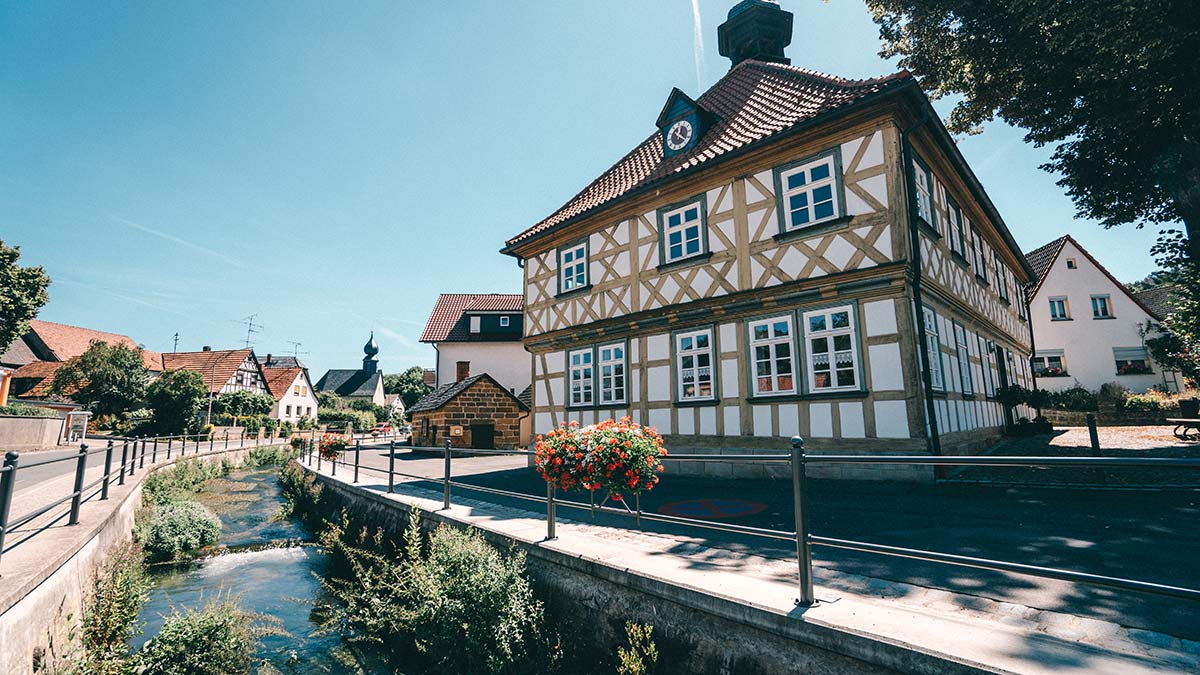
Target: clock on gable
[683, 123]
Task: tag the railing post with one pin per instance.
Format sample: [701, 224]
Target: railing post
[169, 439]
[7, 480]
[800, 506]
[124, 459]
[1093, 434]
[227, 438]
[108, 452]
[392, 467]
[357, 452]
[77, 496]
[142, 459]
[333, 464]
[446, 479]
[550, 511]
[154, 452]
[318, 460]
[212, 442]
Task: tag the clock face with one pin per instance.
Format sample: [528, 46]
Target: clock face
[679, 135]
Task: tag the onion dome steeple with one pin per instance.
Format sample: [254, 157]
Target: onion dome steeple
[371, 349]
[755, 29]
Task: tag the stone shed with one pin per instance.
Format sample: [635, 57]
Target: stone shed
[489, 414]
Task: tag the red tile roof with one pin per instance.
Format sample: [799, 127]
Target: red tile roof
[66, 342]
[754, 101]
[279, 380]
[451, 306]
[216, 367]
[33, 379]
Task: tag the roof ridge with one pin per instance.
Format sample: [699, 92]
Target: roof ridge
[821, 75]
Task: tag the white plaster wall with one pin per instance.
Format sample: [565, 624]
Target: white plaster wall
[308, 399]
[507, 362]
[1087, 343]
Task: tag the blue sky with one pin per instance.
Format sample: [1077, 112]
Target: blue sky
[332, 167]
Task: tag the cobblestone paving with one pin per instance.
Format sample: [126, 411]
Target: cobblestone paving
[1155, 441]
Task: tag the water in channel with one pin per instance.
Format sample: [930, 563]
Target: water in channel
[280, 583]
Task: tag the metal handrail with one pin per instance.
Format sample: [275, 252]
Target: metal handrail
[803, 538]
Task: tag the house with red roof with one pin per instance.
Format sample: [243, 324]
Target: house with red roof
[293, 392]
[476, 333]
[789, 253]
[1090, 329]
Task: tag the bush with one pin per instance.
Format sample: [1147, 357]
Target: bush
[339, 418]
[1143, 402]
[305, 423]
[641, 655]
[1012, 395]
[111, 612]
[218, 639]
[22, 410]
[1076, 398]
[275, 455]
[177, 527]
[1111, 393]
[460, 607]
[179, 481]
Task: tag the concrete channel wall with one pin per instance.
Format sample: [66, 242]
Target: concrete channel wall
[696, 631]
[40, 611]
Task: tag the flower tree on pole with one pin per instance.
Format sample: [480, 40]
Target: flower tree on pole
[615, 456]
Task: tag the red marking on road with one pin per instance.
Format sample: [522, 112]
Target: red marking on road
[712, 509]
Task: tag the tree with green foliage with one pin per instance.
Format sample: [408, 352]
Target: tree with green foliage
[1112, 85]
[108, 379]
[176, 397]
[22, 294]
[1176, 344]
[328, 399]
[243, 403]
[410, 385]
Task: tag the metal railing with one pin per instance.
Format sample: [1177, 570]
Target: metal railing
[133, 457]
[802, 537]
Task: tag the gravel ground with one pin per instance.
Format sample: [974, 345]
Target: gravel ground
[1156, 441]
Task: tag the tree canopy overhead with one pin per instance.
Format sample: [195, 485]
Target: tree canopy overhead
[1112, 85]
[22, 294]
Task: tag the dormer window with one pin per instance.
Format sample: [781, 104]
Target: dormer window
[573, 266]
[681, 231]
[475, 322]
[809, 192]
[504, 321]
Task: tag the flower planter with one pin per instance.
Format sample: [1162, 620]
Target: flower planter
[614, 456]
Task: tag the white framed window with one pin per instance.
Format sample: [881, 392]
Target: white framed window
[573, 267]
[693, 365]
[581, 376]
[832, 347]
[1049, 363]
[809, 193]
[964, 360]
[986, 365]
[1058, 309]
[1002, 277]
[1101, 307]
[1071, 264]
[504, 322]
[682, 232]
[289, 411]
[924, 184]
[772, 356]
[1132, 360]
[933, 350]
[980, 257]
[296, 390]
[610, 360]
[476, 323]
[954, 227]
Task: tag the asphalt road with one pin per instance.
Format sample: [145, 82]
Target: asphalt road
[1135, 534]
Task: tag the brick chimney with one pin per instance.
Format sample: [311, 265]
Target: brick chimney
[462, 370]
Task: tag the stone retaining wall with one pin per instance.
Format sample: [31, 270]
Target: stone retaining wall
[1109, 418]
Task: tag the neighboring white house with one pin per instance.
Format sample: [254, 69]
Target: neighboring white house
[477, 333]
[1088, 328]
[293, 392]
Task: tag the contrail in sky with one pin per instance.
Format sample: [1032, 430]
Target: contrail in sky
[698, 45]
[182, 242]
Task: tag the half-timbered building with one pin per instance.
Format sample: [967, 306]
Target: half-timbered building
[791, 253]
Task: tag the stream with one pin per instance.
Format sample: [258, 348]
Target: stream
[279, 583]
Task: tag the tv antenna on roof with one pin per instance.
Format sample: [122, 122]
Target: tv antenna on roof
[296, 348]
[251, 328]
[175, 347]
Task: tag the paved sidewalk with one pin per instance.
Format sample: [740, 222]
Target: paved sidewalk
[998, 636]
